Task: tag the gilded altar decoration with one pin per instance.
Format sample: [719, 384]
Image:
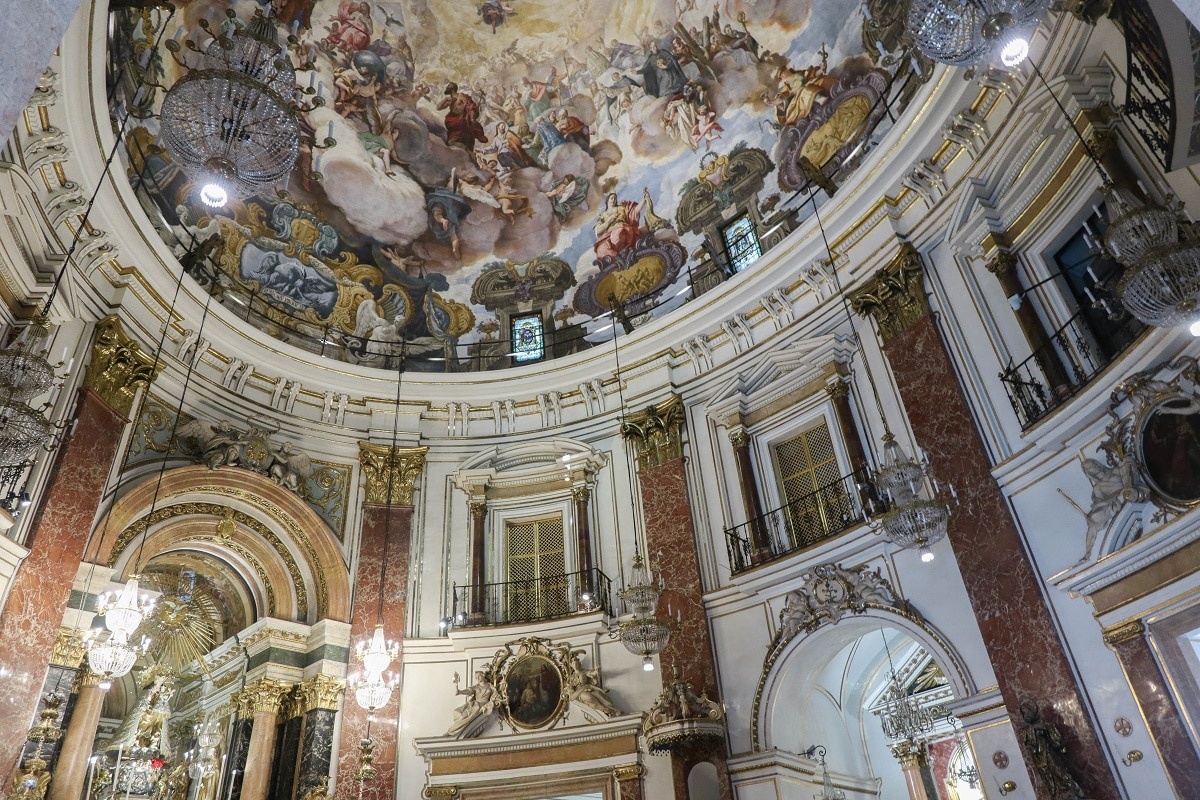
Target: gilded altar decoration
[118, 367]
[69, 648]
[657, 433]
[264, 696]
[896, 297]
[321, 691]
[390, 476]
[680, 719]
[531, 687]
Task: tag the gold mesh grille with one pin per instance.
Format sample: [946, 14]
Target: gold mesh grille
[537, 583]
[816, 501]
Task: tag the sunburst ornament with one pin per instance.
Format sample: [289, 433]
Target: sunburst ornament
[186, 623]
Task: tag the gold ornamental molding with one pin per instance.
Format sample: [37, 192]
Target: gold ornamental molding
[264, 696]
[439, 792]
[400, 472]
[69, 648]
[118, 368]
[896, 296]
[1124, 632]
[656, 433]
[321, 691]
[628, 772]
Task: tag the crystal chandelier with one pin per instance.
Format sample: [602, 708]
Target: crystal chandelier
[208, 739]
[968, 33]
[125, 614]
[374, 691]
[24, 374]
[645, 634]
[231, 122]
[901, 715]
[909, 520]
[113, 656]
[818, 752]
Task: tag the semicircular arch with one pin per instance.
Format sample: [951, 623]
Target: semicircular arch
[783, 654]
[263, 513]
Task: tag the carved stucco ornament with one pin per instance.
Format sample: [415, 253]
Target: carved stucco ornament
[223, 445]
[829, 593]
[531, 687]
[657, 433]
[896, 296]
[1150, 451]
[679, 718]
[400, 472]
[118, 368]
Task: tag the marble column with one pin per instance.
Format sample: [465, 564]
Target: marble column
[629, 781]
[1016, 625]
[478, 613]
[656, 435]
[70, 773]
[239, 748]
[320, 698]
[1004, 266]
[913, 760]
[1154, 697]
[59, 528]
[839, 392]
[264, 700]
[385, 478]
[582, 493]
[287, 748]
[760, 540]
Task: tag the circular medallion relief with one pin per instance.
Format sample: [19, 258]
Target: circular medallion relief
[1000, 759]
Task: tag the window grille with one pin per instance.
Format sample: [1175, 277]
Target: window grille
[536, 559]
[813, 492]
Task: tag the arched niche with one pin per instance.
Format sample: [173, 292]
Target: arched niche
[277, 543]
[795, 663]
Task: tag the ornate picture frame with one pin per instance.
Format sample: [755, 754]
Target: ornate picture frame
[533, 694]
[1167, 443]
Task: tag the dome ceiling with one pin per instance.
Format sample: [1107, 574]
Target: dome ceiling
[491, 159]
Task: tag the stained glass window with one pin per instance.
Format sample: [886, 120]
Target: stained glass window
[528, 338]
[741, 243]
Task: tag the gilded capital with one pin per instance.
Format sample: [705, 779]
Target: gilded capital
[1124, 632]
[69, 648]
[896, 296]
[321, 691]
[118, 368]
[628, 772]
[581, 492]
[657, 433]
[264, 696]
[386, 469]
[838, 389]
[739, 438]
[1003, 264]
[478, 508]
[910, 754]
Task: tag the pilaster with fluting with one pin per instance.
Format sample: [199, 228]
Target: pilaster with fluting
[59, 527]
[1024, 647]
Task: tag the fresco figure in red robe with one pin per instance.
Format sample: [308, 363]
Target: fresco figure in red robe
[462, 119]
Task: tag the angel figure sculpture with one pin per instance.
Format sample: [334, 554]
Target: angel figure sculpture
[289, 468]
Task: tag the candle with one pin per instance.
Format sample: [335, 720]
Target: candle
[329, 133]
[317, 163]
[312, 79]
[179, 33]
[1091, 297]
[1092, 274]
[320, 87]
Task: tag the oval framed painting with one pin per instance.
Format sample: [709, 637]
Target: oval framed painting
[534, 692]
[1168, 441]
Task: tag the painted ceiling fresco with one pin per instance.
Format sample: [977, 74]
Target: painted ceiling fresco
[493, 158]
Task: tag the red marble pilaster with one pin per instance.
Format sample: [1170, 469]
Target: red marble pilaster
[1004, 590]
[42, 586]
[671, 543]
[940, 755]
[1154, 697]
[397, 526]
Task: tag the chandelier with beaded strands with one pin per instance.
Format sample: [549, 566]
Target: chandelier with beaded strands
[970, 33]
[231, 123]
[644, 634]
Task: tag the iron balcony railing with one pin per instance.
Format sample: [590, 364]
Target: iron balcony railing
[801, 523]
[512, 602]
[1031, 390]
[1150, 99]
